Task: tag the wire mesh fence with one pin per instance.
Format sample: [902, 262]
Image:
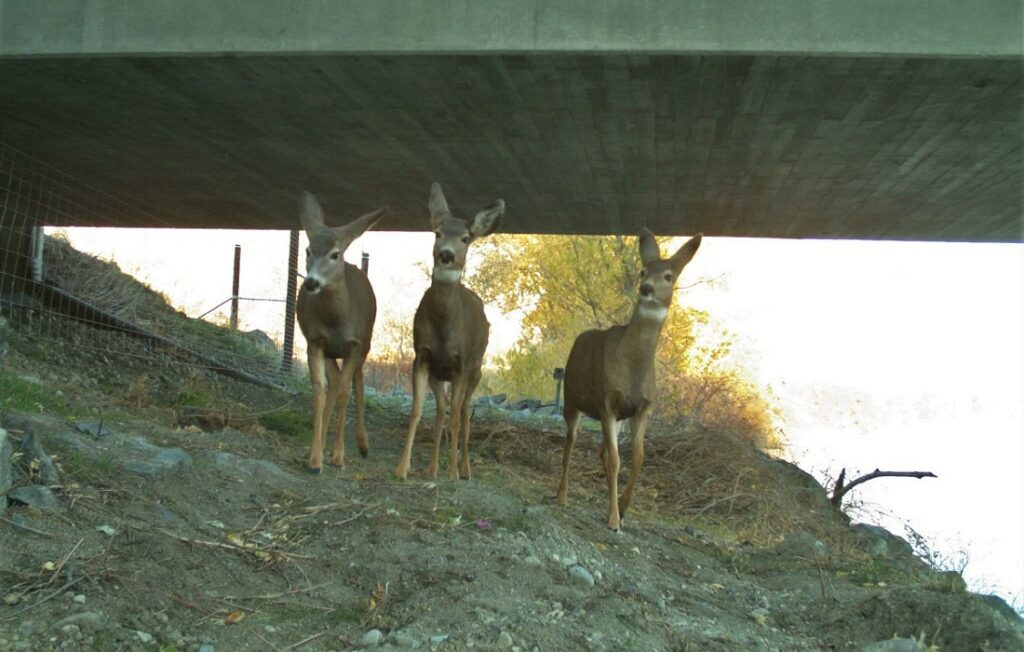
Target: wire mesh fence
[55, 296]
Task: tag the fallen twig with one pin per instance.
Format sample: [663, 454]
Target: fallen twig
[26, 528]
[841, 489]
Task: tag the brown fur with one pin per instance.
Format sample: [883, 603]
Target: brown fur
[336, 310]
[610, 373]
[450, 334]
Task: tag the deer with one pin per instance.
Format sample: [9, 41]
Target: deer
[336, 309]
[450, 332]
[609, 375]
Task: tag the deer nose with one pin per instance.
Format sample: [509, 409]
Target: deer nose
[446, 257]
[646, 289]
[311, 285]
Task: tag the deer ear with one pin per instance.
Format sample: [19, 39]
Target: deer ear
[311, 214]
[357, 227]
[685, 253]
[437, 204]
[649, 251]
[486, 221]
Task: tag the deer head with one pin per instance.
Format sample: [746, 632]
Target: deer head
[325, 264]
[453, 235]
[658, 276]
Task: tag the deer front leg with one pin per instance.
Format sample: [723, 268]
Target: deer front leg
[318, 379]
[572, 422]
[639, 427]
[458, 397]
[610, 428]
[474, 380]
[441, 402]
[344, 380]
[420, 374]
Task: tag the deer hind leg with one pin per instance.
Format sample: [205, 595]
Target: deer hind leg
[572, 423]
[318, 379]
[459, 385]
[441, 402]
[362, 441]
[610, 428]
[343, 381]
[420, 374]
[639, 427]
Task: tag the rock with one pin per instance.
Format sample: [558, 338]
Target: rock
[32, 451]
[894, 645]
[93, 428]
[372, 638]
[79, 599]
[6, 456]
[4, 337]
[879, 542]
[144, 637]
[261, 339]
[165, 462]
[581, 575]
[438, 639]
[84, 619]
[35, 496]
[801, 544]
[759, 615]
[527, 404]
[504, 640]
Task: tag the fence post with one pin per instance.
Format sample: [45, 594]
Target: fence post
[289, 300]
[558, 375]
[366, 263]
[234, 287]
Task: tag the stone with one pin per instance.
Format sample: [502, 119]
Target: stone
[404, 639]
[31, 450]
[93, 428]
[143, 637]
[504, 640]
[581, 575]
[6, 457]
[438, 639]
[84, 619]
[372, 638]
[207, 419]
[35, 496]
[164, 462]
[801, 544]
[880, 542]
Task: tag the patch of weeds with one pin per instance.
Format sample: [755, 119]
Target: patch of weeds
[876, 571]
[25, 396]
[291, 422]
[344, 615]
[192, 397]
[950, 582]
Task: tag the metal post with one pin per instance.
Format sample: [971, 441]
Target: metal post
[366, 263]
[234, 287]
[35, 263]
[289, 300]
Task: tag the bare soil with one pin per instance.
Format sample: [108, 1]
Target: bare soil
[229, 545]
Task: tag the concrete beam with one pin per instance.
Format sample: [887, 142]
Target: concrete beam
[957, 28]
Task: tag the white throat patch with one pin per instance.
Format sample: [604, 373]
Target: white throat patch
[447, 275]
[653, 313]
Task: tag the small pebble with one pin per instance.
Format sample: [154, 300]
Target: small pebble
[372, 638]
[581, 575]
[270, 629]
[504, 640]
[79, 599]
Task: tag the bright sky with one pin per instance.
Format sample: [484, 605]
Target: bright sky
[904, 356]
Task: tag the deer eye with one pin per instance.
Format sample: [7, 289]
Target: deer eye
[643, 273]
[465, 239]
[437, 234]
[668, 277]
[335, 255]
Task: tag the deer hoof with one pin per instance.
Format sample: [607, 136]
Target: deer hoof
[364, 453]
[313, 471]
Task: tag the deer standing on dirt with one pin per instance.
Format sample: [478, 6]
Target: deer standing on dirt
[610, 373]
[450, 334]
[336, 310]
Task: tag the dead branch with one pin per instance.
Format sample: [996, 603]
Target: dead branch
[841, 489]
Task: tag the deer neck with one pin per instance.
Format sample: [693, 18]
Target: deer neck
[445, 290]
[644, 329]
[334, 299]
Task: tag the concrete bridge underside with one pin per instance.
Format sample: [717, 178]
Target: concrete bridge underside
[920, 141]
